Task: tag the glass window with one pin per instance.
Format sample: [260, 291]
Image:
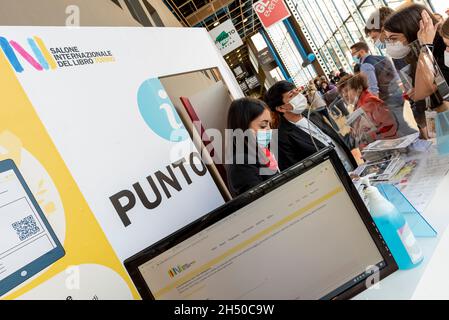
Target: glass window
[332, 26]
[289, 54]
[354, 30]
[341, 7]
[394, 3]
[366, 9]
[440, 6]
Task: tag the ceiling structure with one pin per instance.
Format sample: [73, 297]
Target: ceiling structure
[210, 13]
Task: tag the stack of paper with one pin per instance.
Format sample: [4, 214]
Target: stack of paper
[382, 170]
[383, 148]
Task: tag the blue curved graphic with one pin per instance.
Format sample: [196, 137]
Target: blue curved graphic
[37, 52]
[159, 113]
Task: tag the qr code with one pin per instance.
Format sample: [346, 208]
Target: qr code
[26, 228]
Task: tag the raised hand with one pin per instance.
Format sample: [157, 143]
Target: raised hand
[427, 30]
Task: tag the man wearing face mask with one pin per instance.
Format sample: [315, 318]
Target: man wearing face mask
[299, 137]
[383, 81]
[374, 26]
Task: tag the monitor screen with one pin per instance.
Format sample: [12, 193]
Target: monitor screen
[303, 240]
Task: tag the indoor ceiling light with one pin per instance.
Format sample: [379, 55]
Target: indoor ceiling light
[244, 20]
[216, 24]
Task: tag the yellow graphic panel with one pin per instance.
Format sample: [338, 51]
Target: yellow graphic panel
[24, 139]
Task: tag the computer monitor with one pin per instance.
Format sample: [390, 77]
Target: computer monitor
[304, 234]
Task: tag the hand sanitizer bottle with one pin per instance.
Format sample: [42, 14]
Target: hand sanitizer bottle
[394, 229]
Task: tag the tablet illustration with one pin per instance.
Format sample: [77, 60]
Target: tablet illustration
[27, 242]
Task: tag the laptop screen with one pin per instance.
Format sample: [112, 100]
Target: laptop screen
[303, 240]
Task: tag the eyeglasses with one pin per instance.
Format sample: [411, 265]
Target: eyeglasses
[394, 38]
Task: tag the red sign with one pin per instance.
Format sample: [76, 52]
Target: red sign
[271, 11]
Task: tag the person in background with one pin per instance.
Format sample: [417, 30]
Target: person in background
[379, 124]
[323, 80]
[415, 25]
[374, 26]
[333, 99]
[374, 29]
[410, 33]
[333, 78]
[245, 171]
[342, 73]
[326, 86]
[300, 137]
[383, 81]
[318, 104]
[378, 36]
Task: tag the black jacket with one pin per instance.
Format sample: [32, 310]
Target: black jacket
[295, 145]
[438, 52]
[243, 177]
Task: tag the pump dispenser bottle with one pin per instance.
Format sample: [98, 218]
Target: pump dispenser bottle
[394, 229]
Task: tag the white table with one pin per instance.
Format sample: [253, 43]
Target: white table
[430, 280]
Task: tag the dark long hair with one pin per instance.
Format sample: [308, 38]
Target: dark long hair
[243, 111]
[240, 115]
[406, 21]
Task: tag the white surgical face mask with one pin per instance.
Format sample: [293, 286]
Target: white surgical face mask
[446, 58]
[397, 50]
[299, 104]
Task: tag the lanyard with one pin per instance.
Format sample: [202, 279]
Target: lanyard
[314, 130]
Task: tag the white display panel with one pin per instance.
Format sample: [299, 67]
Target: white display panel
[91, 112]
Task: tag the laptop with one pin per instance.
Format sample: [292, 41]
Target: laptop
[303, 234]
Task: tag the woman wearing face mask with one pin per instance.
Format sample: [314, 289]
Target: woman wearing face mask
[252, 161]
[374, 29]
[299, 137]
[376, 122]
[410, 33]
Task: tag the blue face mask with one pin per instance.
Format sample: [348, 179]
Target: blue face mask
[264, 137]
[356, 59]
[380, 45]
